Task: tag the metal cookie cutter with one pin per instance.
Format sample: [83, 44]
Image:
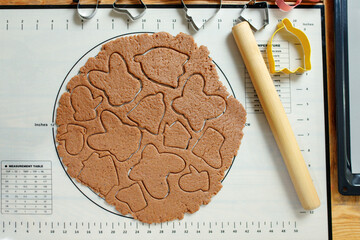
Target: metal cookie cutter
[128, 13]
[304, 41]
[260, 5]
[190, 18]
[91, 15]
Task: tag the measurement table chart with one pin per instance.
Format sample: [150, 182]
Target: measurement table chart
[26, 187]
[281, 81]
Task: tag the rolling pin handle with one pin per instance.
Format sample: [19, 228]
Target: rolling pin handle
[276, 116]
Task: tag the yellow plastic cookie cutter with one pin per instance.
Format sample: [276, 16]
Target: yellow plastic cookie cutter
[304, 41]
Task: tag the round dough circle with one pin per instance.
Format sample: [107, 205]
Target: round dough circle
[148, 126]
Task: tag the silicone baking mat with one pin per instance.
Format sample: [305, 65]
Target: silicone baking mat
[41, 49]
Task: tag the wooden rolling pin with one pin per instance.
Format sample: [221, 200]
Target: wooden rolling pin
[276, 116]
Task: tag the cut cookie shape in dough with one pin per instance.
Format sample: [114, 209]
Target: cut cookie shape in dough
[148, 126]
[208, 147]
[118, 84]
[119, 139]
[154, 168]
[74, 139]
[133, 197]
[84, 104]
[149, 113]
[99, 173]
[176, 136]
[195, 180]
[196, 106]
[163, 65]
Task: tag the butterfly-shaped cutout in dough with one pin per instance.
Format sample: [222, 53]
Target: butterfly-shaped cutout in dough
[118, 84]
[119, 139]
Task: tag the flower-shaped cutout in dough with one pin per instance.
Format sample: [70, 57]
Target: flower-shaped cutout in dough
[119, 139]
[196, 105]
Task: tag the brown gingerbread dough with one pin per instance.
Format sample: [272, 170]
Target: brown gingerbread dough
[148, 126]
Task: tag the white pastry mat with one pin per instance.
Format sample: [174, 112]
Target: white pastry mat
[39, 47]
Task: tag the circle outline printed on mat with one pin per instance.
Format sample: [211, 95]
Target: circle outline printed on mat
[86, 191]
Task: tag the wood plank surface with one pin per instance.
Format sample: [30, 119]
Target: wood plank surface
[345, 209]
[176, 2]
